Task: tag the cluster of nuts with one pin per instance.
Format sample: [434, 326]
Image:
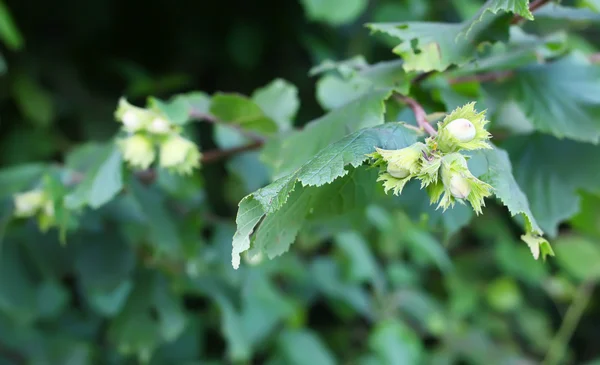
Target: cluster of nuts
[35, 203]
[438, 163]
[148, 130]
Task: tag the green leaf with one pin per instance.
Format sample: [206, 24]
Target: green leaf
[334, 12]
[18, 294]
[345, 67]
[52, 298]
[152, 316]
[326, 166]
[239, 110]
[561, 98]
[301, 347]
[279, 101]
[18, 178]
[586, 221]
[264, 307]
[560, 12]
[361, 262]
[161, 226]
[102, 182]
[9, 33]
[579, 256]
[34, 101]
[500, 175]
[299, 147]
[429, 46]
[550, 171]
[176, 110]
[520, 7]
[395, 343]
[334, 91]
[105, 290]
[327, 277]
[197, 102]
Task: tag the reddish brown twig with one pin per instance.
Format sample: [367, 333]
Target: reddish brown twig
[148, 176]
[532, 7]
[419, 112]
[594, 58]
[484, 77]
[216, 155]
[422, 77]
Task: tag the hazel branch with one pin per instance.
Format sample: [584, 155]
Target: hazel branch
[216, 155]
[484, 77]
[419, 112]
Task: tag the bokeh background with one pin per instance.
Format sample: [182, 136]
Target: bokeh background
[392, 291]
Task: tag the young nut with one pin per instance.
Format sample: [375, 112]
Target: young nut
[138, 151]
[461, 129]
[131, 121]
[179, 154]
[159, 126]
[27, 204]
[397, 171]
[459, 186]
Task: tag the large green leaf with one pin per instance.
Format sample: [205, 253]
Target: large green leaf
[499, 174]
[264, 307]
[102, 182]
[17, 286]
[279, 101]
[429, 46]
[152, 315]
[354, 79]
[326, 166]
[550, 171]
[160, 224]
[299, 147]
[561, 98]
[241, 111]
[105, 290]
[18, 178]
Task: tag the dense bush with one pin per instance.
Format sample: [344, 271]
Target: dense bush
[264, 182]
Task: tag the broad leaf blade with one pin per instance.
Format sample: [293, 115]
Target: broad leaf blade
[328, 165]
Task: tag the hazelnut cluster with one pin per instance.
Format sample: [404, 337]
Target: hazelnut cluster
[148, 129]
[438, 162]
[35, 203]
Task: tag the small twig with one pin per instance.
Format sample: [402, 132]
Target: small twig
[422, 77]
[214, 120]
[419, 112]
[532, 7]
[490, 76]
[216, 155]
[556, 350]
[594, 58]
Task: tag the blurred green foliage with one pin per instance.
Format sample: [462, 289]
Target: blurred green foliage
[138, 267]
